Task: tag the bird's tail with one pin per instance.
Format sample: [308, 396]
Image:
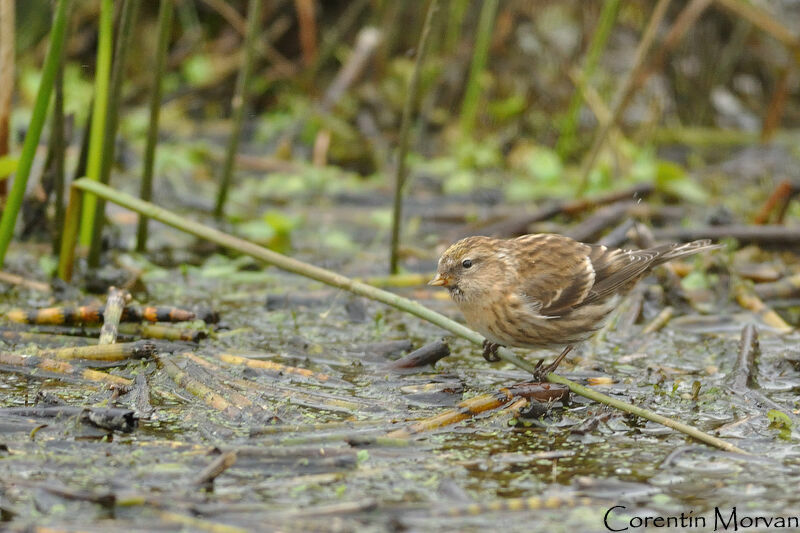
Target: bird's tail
[668, 252]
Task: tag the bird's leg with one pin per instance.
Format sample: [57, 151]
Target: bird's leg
[490, 351]
[540, 374]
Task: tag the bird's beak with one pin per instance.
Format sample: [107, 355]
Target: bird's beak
[439, 281]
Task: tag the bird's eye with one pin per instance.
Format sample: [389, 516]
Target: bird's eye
[466, 263]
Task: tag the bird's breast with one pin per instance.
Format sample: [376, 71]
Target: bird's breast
[511, 320]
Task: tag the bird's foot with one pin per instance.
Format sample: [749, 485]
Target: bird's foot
[540, 373]
[490, 351]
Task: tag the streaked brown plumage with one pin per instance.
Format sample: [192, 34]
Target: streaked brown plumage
[544, 290]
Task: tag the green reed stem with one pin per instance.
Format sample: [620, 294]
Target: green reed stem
[100, 106]
[165, 11]
[58, 147]
[405, 131]
[69, 238]
[130, 9]
[8, 48]
[362, 289]
[455, 19]
[472, 95]
[239, 102]
[51, 62]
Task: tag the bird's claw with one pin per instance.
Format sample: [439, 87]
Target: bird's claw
[540, 373]
[490, 351]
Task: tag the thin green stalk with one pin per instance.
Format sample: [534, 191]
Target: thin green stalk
[51, 62]
[96, 134]
[57, 145]
[455, 19]
[472, 96]
[69, 238]
[130, 9]
[239, 101]
[164, 29]
[405, 130]
[608, 16]
[83, 154]
[362, 289]
[7, 61]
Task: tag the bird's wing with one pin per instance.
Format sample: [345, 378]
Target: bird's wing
[616, 268]
[556, 272]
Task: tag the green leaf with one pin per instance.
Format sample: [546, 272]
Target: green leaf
[338, 241]
[507, 108]
[273, 230]
[382, 218]
[778, 419]
[198, 69]
[545, 165]
[673, 179]
[48, 264]
[695, 280]
[460, 182]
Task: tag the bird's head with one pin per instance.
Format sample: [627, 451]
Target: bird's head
[469, 268]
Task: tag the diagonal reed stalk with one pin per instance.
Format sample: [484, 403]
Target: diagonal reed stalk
[362, 289]
[51, 63]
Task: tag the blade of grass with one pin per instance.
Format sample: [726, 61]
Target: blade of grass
[69, 238]
[127, 20]
[362, 289]
[409, 107]
[239, 102]
[58, 147]
[165, 11]
[51, 62]
[100, 106]
[457, 10]
[83, 153]
[7, 49]
[472, 95]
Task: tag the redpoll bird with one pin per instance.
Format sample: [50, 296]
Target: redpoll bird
[544, 290]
